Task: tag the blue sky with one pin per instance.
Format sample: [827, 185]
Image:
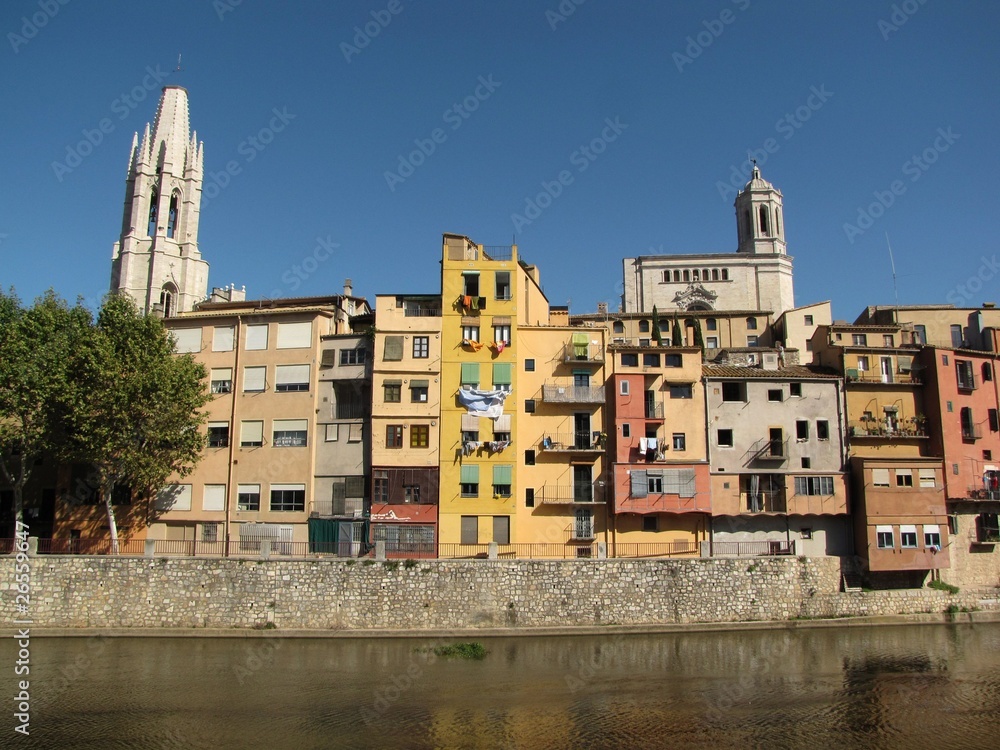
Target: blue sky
[836, 99]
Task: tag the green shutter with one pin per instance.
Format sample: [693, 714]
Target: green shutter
[501, 373]
[580, 339]
[503, 474]
[470, 373]
[420, 383]
[470, 474]
[393, 349]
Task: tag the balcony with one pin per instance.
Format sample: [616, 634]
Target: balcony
[664, 503]
[654, 410]
[341, 506]
[871, 377]
[879, 430]
[762, 548]
[763, 501]
[557, 393]
[979, 493]
[771, 450]
[421, 311]
[966, 381]
[591, 493]
[573, 442]
[971, 432]
[583, 353]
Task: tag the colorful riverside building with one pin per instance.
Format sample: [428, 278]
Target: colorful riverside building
[899, 513]
[405, 423]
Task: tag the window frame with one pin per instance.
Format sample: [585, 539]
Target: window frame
[421, 347]
[394, 436]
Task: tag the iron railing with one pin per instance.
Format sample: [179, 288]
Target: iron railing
[558, 393]
[764, 501]
[588, 352]
[760, 548]
[572, 441]
[570, 494]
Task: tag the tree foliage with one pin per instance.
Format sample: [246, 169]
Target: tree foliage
[677, 339]
[656, 334]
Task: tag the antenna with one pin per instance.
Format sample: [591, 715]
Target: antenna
[895, 290]
[178, 69]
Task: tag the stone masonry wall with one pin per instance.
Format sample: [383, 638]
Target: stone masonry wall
[349, 595]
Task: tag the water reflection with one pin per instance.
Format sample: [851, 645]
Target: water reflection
[917, 686]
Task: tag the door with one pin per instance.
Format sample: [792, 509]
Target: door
[583, 486]
[777, 441]
[583, 527]
[886, 369]
[650, 404]
[581, 430]
[349, 539]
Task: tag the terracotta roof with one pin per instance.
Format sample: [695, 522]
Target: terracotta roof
[795, 372]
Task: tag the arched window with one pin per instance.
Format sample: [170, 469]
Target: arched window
[694, 275]
[710, 324]
[167, 295]
[725, 274]
[751, 324]
[747, 225]
[643, 326]
[715, 274]
[764, 222]
[687, 275]
[987, 372]
[704, 274]
[154, 199]
[618, 327]
[677, 275]
[666, 275]
[175, 204]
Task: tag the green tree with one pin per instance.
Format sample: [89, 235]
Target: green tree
[657, 336]
[699, 340]
[676, 338]
[137, 405]
[35, 374]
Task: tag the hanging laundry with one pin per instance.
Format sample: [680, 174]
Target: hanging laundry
[472, 344]
[475, 302]
[642, 445]
[651, 443]
[484, 403]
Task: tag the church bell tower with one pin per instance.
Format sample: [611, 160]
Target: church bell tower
[760, 225]
[156, 260]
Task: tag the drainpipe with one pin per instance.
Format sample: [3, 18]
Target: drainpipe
[232, 434]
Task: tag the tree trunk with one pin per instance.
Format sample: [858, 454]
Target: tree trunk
[18, 486]
[112, 524]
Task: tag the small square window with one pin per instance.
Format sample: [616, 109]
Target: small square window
[725, 438]
[630, 359]
[626, 430]
[529, 365]
[529, 406]
[904, 480]
[649, 523]
[806, 462]
[774, 394]
[822, 429]
[679, 441]
[884, 539]
[623, 387]
[529, 458]
[392, 392]
[795, 389]
[809, 320]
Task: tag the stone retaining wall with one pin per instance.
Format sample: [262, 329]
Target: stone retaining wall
[109, 592]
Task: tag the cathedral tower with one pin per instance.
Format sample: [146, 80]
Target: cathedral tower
[156, 259]
[760, 227]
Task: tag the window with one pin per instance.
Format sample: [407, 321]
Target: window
[353, 356]
[214, 498]
[218, 434]
[994, 420]
[420, 436]
[908, 537]
[529, 365]
[643, 326]
[393, 351]
[332, 433]
[712, 342]
[987, 528]
[649, 523]
[774, 394]
[618, 327]
[421, 347]
[887, 339]
[187, 340]
[751, 324]
[248, 497]
[949, 406]
[288, 497]
[394, 436]
[470, 529]
[733, 392]
[679, 441]
[970, 431]
[822, 429]
[724, 438]
[502, 480]
[987, 370]
[502, 284]
[254, 379]
[380, 488]
[626, 430]
[470, 375]
[623, 387]
[251, 434]
[529, 497]
[710, 324]
[392, 391]
[801, 429]
[418, 391]
[654, 483]
[470, 480]
[295, 335]
[501, 333]
[256, 337]
[963, 373]
[470, 333]
[814, 486]
[919, 334]
[289, 433]
[411, 493]
[174, 497]
[222, 380]
[859, 339]
[956, 336]
[932, 536]
[904, 479]
[223, 338]
[944, 360]
[470, 281]
[808, 320]
[952, 524]
[883, 537]
[880, 477]
[673, 360]
[863, 365]
[502, 375]
[529, 406]
[630, 359]
[751, 341]
[681, 391]
[805, 462]
[291, 378]
[795, 389]
[650, 360]
[927, 478]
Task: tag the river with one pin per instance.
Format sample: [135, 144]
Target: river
[822, 688]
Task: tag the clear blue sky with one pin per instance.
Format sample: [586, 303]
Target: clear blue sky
[886, 91]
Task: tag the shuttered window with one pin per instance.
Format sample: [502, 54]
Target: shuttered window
[289, 433]
[223, 338]
[214, 498]
[291, 378]
[679, 482]
[174, 497]
[393, 349]
[502, 423]
[254, 379]
[880, 477]
[470, 373]
[470, 423]
[251, 434]
[502, 373]
[640, 487]
[295, 335]
[188, 340]
[470, 474]
[256, 337]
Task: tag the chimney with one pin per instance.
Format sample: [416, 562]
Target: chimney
[348, 288]
[602, 308]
